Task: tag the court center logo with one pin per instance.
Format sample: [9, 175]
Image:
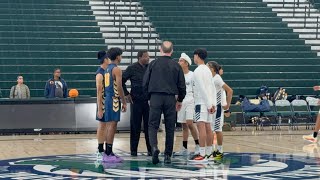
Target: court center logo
[234, 166]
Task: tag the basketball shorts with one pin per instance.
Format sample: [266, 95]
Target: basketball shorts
[112, 109]
[202, 114]
[186, 112]
[218, 119]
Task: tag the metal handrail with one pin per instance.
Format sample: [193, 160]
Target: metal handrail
[120, 23]
[142, 24]
[294, 7]
[109, 7]
[305, 16]
[132, 48]
[156, 47]
[130, 6]
[283, 3]
[136, 15]
[149, 36]
[317, 34]
[125, 36]
[114, 14]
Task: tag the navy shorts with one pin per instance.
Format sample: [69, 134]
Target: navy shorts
[112, 109]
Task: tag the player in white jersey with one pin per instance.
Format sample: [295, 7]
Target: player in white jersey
[218, 117]
[205, 104]
[186, 114]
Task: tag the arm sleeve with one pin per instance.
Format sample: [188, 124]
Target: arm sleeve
[181, 85]
[204, 88]
[46, 90]
[11, 92]
[125, 77]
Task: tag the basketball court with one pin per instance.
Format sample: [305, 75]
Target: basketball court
[248, 155]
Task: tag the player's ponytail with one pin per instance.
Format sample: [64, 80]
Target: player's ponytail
[214, 65]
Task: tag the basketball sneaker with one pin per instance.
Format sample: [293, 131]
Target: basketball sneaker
[99, 156]
[198, 159]
[197, 149]
[217, 156]
[310, 138]
[182, 152]
[112, 158]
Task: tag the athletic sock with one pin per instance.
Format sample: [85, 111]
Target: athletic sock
[208, 150]
[202, 151]
[185, 144]
[220, 149]
[109, 149]
[196, 141]
[100, 148]
[214, 147]
[315, 134]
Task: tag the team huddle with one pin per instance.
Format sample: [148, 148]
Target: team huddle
[207, 99]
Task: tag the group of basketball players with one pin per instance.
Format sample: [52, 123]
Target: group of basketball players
[208, 98]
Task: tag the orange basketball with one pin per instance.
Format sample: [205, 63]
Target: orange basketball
[73, 93]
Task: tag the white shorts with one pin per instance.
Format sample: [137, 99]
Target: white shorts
[202, 114]
[186, 112]
[218, 119]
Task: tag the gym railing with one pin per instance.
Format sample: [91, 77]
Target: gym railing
[132, 49]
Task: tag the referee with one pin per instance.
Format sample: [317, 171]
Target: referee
[139, 102]
[163, 80]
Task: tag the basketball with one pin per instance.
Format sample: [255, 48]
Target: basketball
[73, 93]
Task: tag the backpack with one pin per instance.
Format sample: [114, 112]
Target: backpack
[280, 94]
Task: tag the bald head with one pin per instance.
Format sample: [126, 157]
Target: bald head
[166, 48]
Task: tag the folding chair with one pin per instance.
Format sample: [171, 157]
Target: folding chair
[314, 109]
[238, 109]
[273, 115]
[301, 111]
[284, 111]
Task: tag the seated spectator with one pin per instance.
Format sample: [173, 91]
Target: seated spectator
[56, 87]
[20, 91]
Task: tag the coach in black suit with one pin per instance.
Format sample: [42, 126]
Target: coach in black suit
[163, 80]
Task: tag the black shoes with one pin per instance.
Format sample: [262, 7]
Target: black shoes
[167, 159]
[149, 153]
[134, 154]
[155, 156]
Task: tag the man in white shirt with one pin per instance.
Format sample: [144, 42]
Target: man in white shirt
[186, 114]
[205, 103]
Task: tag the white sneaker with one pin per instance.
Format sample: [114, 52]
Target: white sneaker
[182, 152]
[197, 149]
[99, 156]
[310, 138]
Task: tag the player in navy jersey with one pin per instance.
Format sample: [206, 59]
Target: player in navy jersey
[102, 128]
[113, 106]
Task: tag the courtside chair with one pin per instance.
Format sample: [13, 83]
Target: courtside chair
[272, 114]
[284, 112]
[238, 109]
[301, 111]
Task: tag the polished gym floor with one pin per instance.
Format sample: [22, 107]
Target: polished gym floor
[251, 154]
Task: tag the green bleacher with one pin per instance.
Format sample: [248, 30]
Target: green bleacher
[37, 36]
[254, 46]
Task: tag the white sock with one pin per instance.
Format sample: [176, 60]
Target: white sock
[202, 151]
[220, 149]
[214, 147]
[208, 150]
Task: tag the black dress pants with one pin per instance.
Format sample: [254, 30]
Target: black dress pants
[166, 104]
[139, 111]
